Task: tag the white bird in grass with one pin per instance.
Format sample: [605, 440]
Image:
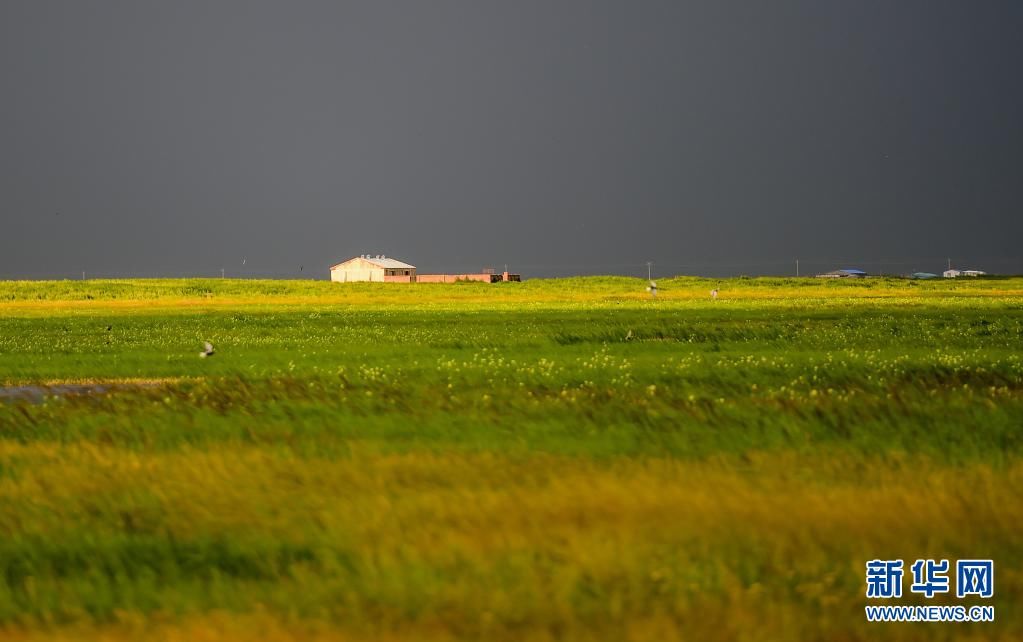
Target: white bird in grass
[208, 350]
[628, 337]
[714, 294]
[652, 289]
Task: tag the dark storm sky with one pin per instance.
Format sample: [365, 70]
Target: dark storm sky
[559, 137]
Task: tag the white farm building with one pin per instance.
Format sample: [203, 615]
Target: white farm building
[377, 268]
[952, 274]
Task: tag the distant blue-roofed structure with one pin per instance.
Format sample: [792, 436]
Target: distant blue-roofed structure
[846, 273]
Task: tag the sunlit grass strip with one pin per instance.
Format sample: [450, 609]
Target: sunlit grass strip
[465, 542]
[124, 293]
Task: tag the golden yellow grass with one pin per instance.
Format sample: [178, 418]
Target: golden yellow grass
[675, 538]
[92, 297]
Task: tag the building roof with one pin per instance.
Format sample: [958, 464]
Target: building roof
[844, 273]
[379, 261]
[852, 271]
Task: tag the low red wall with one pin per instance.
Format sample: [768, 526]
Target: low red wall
[451, 278]
[447, 278]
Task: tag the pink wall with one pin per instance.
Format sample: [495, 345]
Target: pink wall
[444, 278]
[451, 278]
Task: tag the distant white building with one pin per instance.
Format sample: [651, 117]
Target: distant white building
[377, 268]
[951, 274]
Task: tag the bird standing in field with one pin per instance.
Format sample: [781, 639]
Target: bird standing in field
[652, 289]
[208, 350]
[714, 293]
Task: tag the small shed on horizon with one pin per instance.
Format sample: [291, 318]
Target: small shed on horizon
[377, 268]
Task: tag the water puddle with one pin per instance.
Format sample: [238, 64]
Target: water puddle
[37, 394]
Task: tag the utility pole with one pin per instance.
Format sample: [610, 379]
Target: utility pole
[83, 275]
[797, 267]
[950, 263]
[222, 273]
[649, 270]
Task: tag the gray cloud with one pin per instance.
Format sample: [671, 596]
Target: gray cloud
[570, 137]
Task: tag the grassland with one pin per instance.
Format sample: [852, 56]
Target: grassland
[566, 459]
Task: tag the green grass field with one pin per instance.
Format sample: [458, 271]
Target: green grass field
[549, 460]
